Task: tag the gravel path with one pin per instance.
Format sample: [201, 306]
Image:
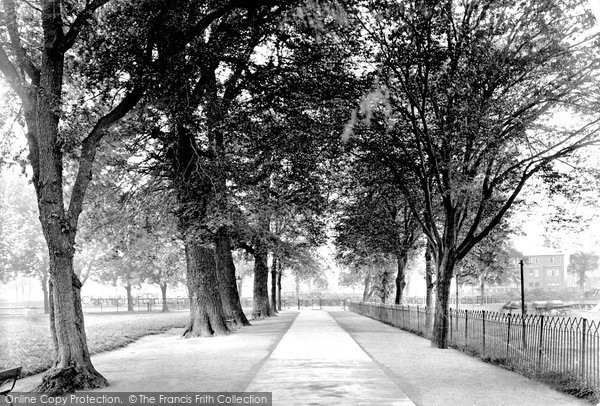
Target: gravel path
[431, 376]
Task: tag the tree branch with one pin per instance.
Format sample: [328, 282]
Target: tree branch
[23, 59]
[90, 146]
[80, 22]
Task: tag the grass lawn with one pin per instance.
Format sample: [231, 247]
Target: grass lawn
[25, 340]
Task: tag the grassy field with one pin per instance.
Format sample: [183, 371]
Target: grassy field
[26, 342]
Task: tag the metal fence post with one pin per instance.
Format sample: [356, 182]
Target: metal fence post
[483, 326]
[508, 335]
[418, 319]
[583, 348]
[466, 325]
[540, 343]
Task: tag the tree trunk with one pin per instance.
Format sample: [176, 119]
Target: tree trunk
[44, 283]
[227, 282]
[400, 283]
[428, 286]
[73, 368]
[440, 322]
[385, 286]
[129, 298]
[261, 306]
[367, 291]
[274, 267]
[52, 318]
[206, 310]
[279, 275]
[482, 288]
[163, 291]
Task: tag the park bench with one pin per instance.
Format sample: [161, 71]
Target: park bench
[5, 380]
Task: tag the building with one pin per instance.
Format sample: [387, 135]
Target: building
[545, 272]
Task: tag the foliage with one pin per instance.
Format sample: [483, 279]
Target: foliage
[22, 247]
[492, 261]
[580, 264]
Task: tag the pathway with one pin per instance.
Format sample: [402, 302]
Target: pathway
[431, 376]
[318, 363]
[317, 357]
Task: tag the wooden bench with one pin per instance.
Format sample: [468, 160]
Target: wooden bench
[6, 377]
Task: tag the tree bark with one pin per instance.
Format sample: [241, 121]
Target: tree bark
[129, 298]
[440, 323]
[261, 308]
[400, 282]
[274, 267]
[73, 368]
[206, 309]
[279, 275]
[428, 286]
[163, 291]
[44, 283]
[227, 282]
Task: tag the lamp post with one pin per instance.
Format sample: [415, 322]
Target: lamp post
[522, 290]
[523, 310]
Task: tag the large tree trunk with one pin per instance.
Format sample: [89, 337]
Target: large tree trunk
[428, 286]
[261, 306]
[163, 291]
[73, 368]
[44, 283]
[129, 297]
[274, 267]
[279, 275]
[400, 283]
[206, 310]
[227, 282]
[440, 323]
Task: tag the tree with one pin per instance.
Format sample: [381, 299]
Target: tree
[491, 261]
[34, 62]
[580, 264]
[461, 111]
[21, 239]
[167, 266]
[57, 68]
[376, 218]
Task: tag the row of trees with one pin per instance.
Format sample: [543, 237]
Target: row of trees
[250, 122]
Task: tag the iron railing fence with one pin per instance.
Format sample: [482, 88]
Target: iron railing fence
[138, 304]
[538, 344]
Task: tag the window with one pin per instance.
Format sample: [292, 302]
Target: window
[537, 284]
[551, 260]
[553, 272]
[531, 284]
